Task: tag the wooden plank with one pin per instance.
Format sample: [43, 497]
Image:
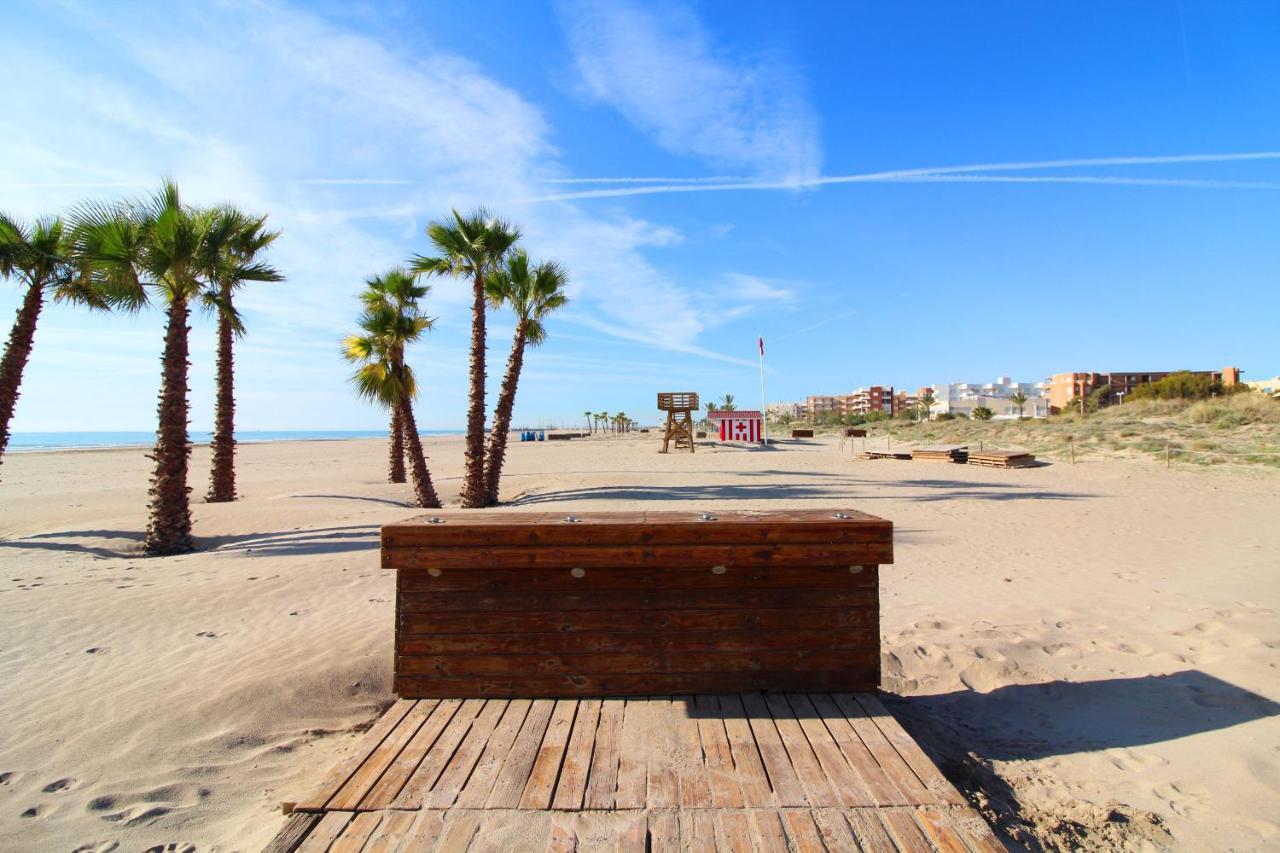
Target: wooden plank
[475, 793]
[940, 832]
[459, 829]
[632, 768]
[871, 832]
[906, 832]
[633, 836]
[415, 790]
[817, 786]
[733, 832]
[835, 830]
[902, 776]
[391, 833]
[456, 773]
[697, 831]
[847, 784]
[296, 829]
[356, 833]
[521, 621]
[645, 684]
[546, 767]
[782, 776]
[326, 832]
[473, 664]
[563, 838]
[756, 791]
[402, 769]
[664, 832]
[880, 790]
[621, 556]
[319, 797]
[425, 831]
[911, 753]
[641, 642]
[577, 758]
[630, 601]
[691, 776]
[352, 794]
[516, 770]
[663, 788]
[559, 578]
[767, 831]
[602, 779]
[718, 756]
[803, 832]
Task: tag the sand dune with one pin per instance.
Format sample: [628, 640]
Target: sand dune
[1102, 638]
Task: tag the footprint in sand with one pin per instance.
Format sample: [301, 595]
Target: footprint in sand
[96, 650]
[211, 635]
[59, 785]
[97, 847]
[8, 776]
[172, 847]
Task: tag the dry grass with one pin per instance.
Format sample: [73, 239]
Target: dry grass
[1243, 429]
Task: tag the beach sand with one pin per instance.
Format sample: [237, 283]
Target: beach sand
[1096, 644]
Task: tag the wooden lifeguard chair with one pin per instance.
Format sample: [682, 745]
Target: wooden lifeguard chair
[679, 406]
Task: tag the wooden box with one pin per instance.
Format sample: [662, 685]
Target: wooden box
[511, 604]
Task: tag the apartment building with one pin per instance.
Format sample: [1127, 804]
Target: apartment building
[876, 398]
[961, 398]
[1065, 387]
[777, 411]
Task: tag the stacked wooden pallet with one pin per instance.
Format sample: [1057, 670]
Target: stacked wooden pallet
[1002, 458]
[942, 453]
[887, 454]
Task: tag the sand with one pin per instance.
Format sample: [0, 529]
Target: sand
[1092, 649]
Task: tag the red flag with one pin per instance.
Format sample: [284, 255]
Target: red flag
[761, 347]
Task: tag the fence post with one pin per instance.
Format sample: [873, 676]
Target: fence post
[1072, 442]
[1166, 454]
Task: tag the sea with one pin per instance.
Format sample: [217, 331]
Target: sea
[36, 441]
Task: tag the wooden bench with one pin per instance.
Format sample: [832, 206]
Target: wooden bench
[636, 603]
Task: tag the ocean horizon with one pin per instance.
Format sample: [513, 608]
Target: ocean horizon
[29, 442]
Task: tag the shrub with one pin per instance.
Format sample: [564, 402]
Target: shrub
[982, 413]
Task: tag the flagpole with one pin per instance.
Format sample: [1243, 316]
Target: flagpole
[764, 408]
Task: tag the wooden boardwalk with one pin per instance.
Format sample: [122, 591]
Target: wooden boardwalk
[741, 772]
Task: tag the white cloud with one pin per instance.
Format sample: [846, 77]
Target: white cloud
[661, 70]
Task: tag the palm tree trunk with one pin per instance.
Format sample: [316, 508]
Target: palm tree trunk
[396, 461]
[169, 531]
[473, 492]
[16, 353]
[423, 489]
[497, 447]
[222, 476]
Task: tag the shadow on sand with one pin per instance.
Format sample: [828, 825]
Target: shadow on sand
[324, 540]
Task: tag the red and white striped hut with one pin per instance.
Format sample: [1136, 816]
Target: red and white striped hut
[745, 426]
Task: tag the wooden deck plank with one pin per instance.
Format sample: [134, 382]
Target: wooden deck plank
[939, 830]
[782, 776]
[872, 834]
[602, 779]
[768, 832]
[459, 829]
[903, 777]
[877, 785]
[691, 773]
[848, 785]
[733, 832]
[835, 829]
[906, 832]
[634, 835]
[697, 831]
[391, 833]
[563, 837]
[717, 754]
[406, 763]
[333, 781]
[664, 832]
[350, 796]
[424, 777]
[926, 771]
[632, 768]
[456, 773]
[356, 833]
[803, 832]
[813, 780]
[475, 793]
[541, 786]
[518, 766]
[577, 757]
[663, 789]
[425, 831]
[296, 830]
[756, 790]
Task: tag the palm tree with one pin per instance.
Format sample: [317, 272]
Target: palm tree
[727, 404]
[40, 258]
[604, 420]
[471, 247]
[621, 420]
[590, 425]
[924, 404]
[1019, 399]
[532, 293]
[391, 320]
[229, 260]
[148, 247]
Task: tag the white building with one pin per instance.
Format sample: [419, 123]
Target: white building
[795, 411]
[961, 398]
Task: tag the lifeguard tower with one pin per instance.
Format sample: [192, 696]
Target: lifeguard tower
[679, 406]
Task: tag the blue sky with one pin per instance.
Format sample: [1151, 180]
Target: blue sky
[905, 193]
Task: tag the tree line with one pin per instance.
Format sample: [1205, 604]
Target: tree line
[126, 256]
[484, 252]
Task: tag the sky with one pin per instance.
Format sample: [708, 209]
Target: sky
[899, 194]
